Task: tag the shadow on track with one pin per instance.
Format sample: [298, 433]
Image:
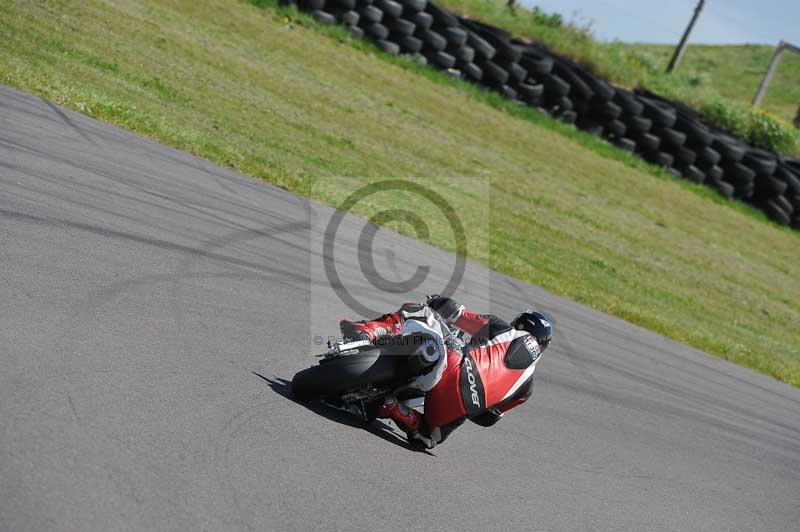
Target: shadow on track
[284, 388]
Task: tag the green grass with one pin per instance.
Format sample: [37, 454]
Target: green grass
[735, 71]
[709, 78]
[296, 105]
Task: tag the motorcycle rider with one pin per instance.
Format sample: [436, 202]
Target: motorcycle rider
[480, 381]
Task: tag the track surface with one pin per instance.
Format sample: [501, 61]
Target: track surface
[140, 288]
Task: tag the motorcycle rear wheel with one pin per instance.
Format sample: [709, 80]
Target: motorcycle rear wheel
[348, 373]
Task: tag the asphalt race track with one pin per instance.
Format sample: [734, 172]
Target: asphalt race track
[143, 291]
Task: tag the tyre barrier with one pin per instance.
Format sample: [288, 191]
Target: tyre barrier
[660, 131]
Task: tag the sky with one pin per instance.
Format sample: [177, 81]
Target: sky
[663, 21]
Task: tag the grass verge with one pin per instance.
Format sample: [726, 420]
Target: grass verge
[262, 91]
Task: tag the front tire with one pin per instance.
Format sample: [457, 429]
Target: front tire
[348, 373]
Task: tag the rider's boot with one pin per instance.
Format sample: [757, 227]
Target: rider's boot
[409, 420]
[386, 325]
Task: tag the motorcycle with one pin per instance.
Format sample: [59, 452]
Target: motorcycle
[355, 375]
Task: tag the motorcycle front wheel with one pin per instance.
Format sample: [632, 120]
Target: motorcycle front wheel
[341, 375]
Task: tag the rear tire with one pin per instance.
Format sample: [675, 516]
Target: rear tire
[340, 375]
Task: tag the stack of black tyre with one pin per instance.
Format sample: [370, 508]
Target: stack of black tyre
[788, 172]
[681, 143]
[662, 132]
[500, 63]
[393, 26]
[591, 100]
[776, 185]
[722, 161]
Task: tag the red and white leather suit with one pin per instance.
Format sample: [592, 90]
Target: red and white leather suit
[493, 374]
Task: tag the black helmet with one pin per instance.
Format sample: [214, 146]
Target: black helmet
[537, 324]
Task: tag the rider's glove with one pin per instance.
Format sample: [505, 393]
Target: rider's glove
[448, 308]
[455, 343]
